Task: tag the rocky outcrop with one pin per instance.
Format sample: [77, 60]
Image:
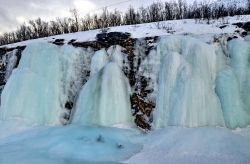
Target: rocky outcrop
[5, 57]
[243, 25]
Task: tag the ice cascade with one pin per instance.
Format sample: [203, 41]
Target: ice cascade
[233, 85]
[105, 99]
[37, 90]
[186, 93]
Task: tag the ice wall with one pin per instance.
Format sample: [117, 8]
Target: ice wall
[36, 90]
[200, 85]
[98, 61]
[191, 82]
[186, 94]
[105, 99]
[233, 85]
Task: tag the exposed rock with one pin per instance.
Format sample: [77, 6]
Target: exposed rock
[19, 54]
[239, 24]
[231, 38]
[93, 44]
[141, 122]
[244, 33]
[244, 25]
[237, 31]
[139, 105]
[59, 42]
[3, 51]
[69, 105]
[112, 38]
[3, 65]
[223, 26]
[71, 41]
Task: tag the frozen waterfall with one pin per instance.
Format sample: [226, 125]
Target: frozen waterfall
[186, 95]
[105, 99]
[193, 92]
[233, 85]
[192, 84]
[36, 90]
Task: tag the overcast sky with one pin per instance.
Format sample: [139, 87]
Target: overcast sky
[15, 12]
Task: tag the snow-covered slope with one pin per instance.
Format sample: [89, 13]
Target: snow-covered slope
[178, 27]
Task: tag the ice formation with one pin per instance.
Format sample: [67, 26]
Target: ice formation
[98, 61]
[36, 90]
[186, 94]
[199, 87]
[104, 99]
[232, 86]
[193, 84]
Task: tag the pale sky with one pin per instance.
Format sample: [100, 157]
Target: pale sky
[15, 12]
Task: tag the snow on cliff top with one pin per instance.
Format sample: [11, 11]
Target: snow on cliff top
[178, 27]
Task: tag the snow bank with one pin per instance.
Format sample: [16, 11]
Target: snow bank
[175, 145]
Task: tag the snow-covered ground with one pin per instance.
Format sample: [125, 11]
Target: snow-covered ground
[176, 145]
[66, 145]
[75, 144]
[178, 27]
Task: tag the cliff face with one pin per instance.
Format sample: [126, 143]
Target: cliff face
[179, 77]
[134, 50]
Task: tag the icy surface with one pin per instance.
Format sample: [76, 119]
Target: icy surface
[233, 85]
[98, 61]
[105, 98]
[36, 90]
[186, 95]
[68, 145]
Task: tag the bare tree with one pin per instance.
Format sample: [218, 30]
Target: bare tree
[75, 21]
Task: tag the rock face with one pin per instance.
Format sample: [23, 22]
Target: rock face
[9, 59]
[244, 25]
